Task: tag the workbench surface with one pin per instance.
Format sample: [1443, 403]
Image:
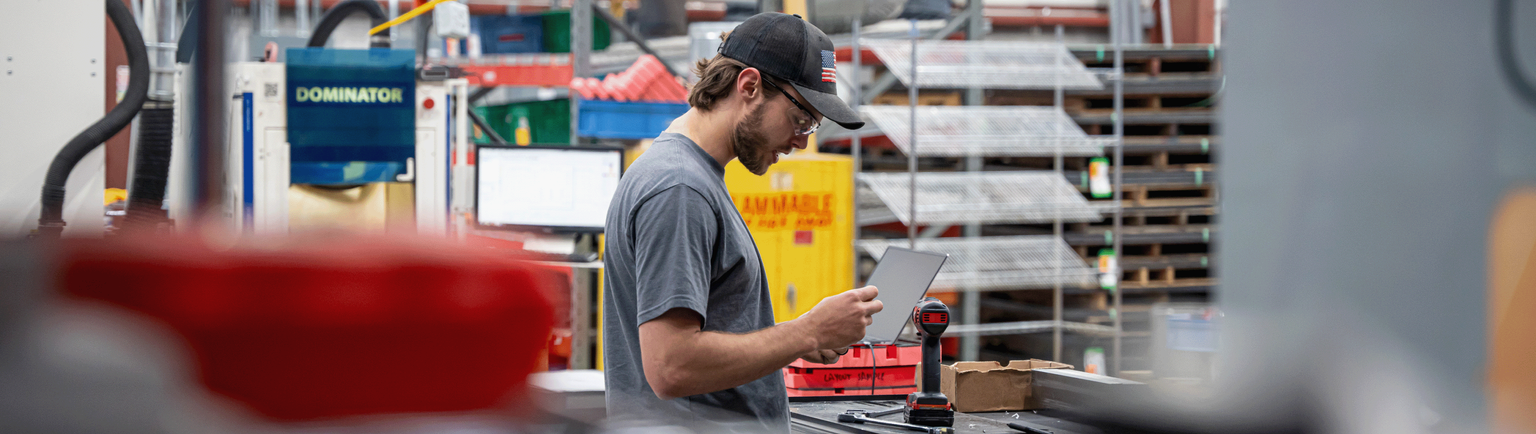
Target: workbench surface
[821, 417]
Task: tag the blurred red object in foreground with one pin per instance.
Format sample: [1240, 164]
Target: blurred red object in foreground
[334, 328]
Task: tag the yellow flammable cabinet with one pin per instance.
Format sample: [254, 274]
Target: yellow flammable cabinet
[800, 214]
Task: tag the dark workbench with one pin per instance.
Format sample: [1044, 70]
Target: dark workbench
[821, 417]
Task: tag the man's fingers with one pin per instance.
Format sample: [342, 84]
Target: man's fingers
[873, 307]
[868, 293]
[829, 357]
[841, 351]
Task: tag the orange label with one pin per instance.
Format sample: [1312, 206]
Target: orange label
[797, 211]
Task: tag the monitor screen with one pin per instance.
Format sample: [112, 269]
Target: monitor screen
[550, 187]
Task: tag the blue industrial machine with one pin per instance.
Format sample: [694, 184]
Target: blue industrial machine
[350, 115]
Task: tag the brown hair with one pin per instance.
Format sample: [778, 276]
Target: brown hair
[717, 76]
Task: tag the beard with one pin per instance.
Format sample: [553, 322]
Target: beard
[750, 144]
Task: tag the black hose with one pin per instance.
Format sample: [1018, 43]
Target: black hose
[51, 222]
[339, 12]
[1509, 60]
[151, 168]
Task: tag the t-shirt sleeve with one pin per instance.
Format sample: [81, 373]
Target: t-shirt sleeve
[673, 234]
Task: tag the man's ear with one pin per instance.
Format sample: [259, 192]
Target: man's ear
[749, 84]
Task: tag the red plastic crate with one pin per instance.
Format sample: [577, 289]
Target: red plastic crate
[899, 390]
[862, 357]
[844, 378]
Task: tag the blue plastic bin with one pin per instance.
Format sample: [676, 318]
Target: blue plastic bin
[509, 34]
[626, 120]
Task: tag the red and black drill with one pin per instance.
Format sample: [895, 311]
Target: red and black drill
[929, 407]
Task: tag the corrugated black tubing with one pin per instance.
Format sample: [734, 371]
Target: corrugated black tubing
[151, 168]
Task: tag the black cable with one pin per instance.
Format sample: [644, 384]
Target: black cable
[339, 12]
[479, 122]
[1509, 61]
[630, 34]
[480, 93]
[50, 223]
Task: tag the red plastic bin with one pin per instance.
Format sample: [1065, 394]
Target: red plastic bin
[881, 357]
[843, 378]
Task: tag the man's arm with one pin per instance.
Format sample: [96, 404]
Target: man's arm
[681, 360]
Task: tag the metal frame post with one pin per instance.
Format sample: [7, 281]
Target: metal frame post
[208, 114]
[858, 164]
[1119, 71]
[581, 52]
[970, 301]
[912, 146]
[1056, 163]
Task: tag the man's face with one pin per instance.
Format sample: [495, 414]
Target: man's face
[768, 130]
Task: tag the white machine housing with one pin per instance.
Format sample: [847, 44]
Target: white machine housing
[257, 182]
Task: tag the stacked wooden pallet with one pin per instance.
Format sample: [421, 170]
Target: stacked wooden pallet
[1170, 203]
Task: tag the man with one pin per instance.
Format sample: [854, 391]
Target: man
[689, 335]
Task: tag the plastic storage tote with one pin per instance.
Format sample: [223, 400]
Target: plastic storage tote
[627, 120]
[549, 122]
[509, 34]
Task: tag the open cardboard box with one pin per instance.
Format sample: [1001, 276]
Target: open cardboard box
[991, 386]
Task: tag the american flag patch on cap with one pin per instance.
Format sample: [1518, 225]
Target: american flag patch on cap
[828, 68]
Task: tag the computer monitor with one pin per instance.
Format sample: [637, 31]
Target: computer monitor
[546, 188]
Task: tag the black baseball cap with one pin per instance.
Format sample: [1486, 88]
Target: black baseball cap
[792, 50]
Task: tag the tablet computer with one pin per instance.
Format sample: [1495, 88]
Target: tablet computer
[903, 276]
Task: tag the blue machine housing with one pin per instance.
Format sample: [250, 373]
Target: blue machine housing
[351, 114]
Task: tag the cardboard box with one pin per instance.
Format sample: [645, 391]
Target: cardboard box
[990, 386]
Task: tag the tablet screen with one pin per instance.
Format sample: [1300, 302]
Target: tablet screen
[903, 277]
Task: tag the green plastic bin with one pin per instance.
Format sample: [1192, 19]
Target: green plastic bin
[557, 32]
[549, 122]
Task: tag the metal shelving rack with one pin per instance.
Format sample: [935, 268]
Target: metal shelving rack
[1007, 262]
[1011, 131]
[982, 197]
[975, 197]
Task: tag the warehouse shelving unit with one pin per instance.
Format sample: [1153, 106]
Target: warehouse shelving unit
[982, 197]
[977, 197]
[962, 131]
[1006, 262]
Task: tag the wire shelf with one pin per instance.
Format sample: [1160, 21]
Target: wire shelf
[957, 131]
[982, 197]
[985, 64]
[1013, 262]
[871, 210]
[1022, 327]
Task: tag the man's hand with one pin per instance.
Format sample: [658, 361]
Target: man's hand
[824, 357]
[839, 321]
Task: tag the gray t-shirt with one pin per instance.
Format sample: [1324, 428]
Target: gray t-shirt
[675, 240]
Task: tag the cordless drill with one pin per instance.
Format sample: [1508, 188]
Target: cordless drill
[929, 407]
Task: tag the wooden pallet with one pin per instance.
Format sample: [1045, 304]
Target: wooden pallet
[1135, 103]
[1166, 66]
[1153, 196]
[924, 97]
